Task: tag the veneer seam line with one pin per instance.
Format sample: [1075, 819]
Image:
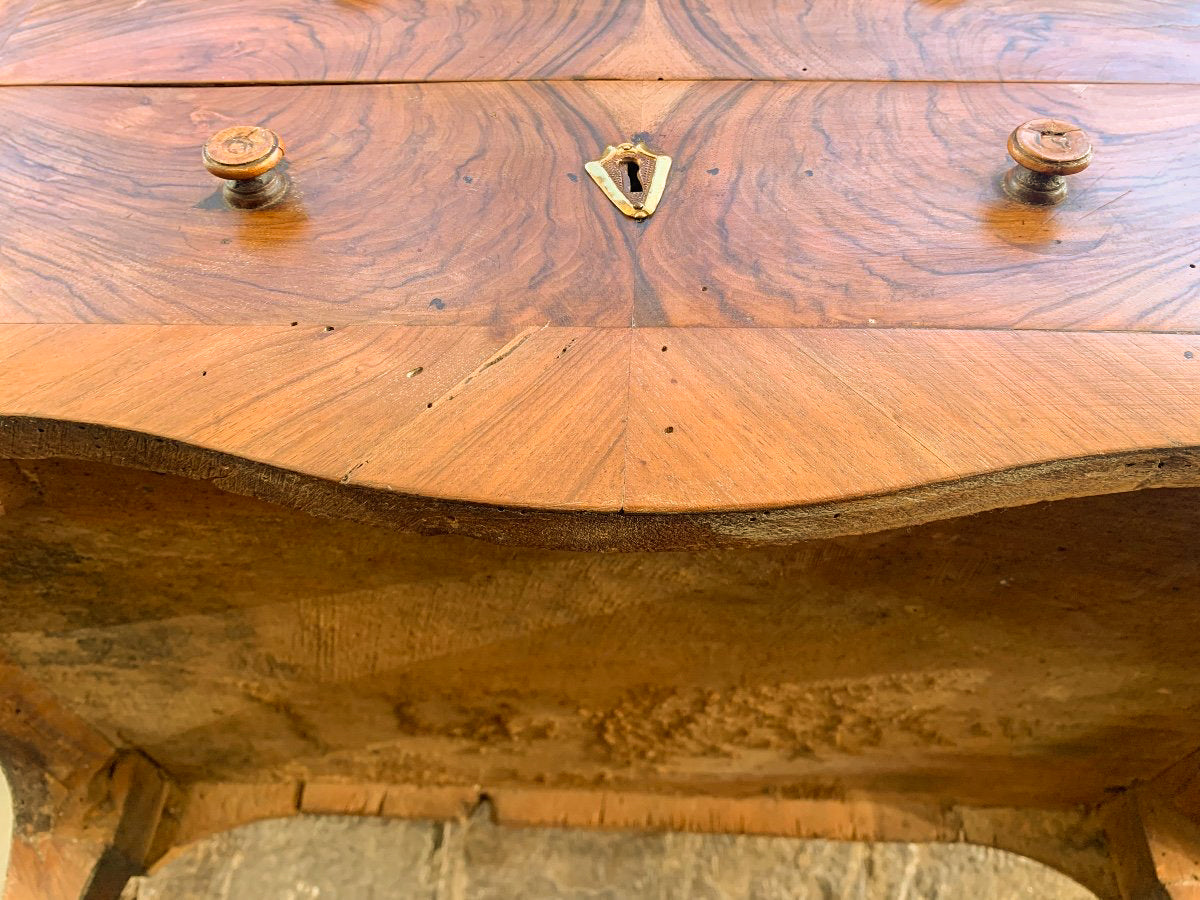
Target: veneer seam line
[627, 410]
[647, 80]
[873, 404]
[465, 326]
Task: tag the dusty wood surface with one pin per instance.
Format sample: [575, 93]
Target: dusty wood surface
[49, 757]
[1030, 659]
[441, 40]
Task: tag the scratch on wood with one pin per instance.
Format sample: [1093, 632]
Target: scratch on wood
[1102, 205]
[499, 356]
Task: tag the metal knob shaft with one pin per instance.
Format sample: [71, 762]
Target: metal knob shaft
[246, 157]
[1045, 150]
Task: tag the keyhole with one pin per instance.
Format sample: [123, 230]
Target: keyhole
[631, 175]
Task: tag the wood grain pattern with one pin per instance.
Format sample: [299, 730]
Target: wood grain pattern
[834, 324]
[878, 205]
[402, 210]
[607, 420]
[11, 15]
[758, 418]
[357, 406]
[175, 41]
[428, 231]
[419, 205]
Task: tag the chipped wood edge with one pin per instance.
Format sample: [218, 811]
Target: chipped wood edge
[23, 437]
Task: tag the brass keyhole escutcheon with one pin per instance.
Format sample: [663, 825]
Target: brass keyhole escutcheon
[632, 176]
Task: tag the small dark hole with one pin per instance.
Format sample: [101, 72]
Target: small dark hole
[664, 350]
[294, 324]
[429, 406]
[1191, 265]
[670, 429]
[633, 182]
[704, 287]
[329, 328]
[202, 374]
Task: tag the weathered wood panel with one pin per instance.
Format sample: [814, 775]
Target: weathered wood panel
[85, 814]
[172, 41]
[1036, 657]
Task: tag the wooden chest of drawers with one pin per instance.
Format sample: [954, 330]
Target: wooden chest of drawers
[815, 503]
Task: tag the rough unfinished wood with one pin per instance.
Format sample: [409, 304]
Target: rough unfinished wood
[86, 815]
[1154, 830]
[990, 678]
[1030, 656]
[441, 40]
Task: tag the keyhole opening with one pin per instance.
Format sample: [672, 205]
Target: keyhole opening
[631, 175]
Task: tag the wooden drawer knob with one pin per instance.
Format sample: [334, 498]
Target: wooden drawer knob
[1045, 150]
[246, 157]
